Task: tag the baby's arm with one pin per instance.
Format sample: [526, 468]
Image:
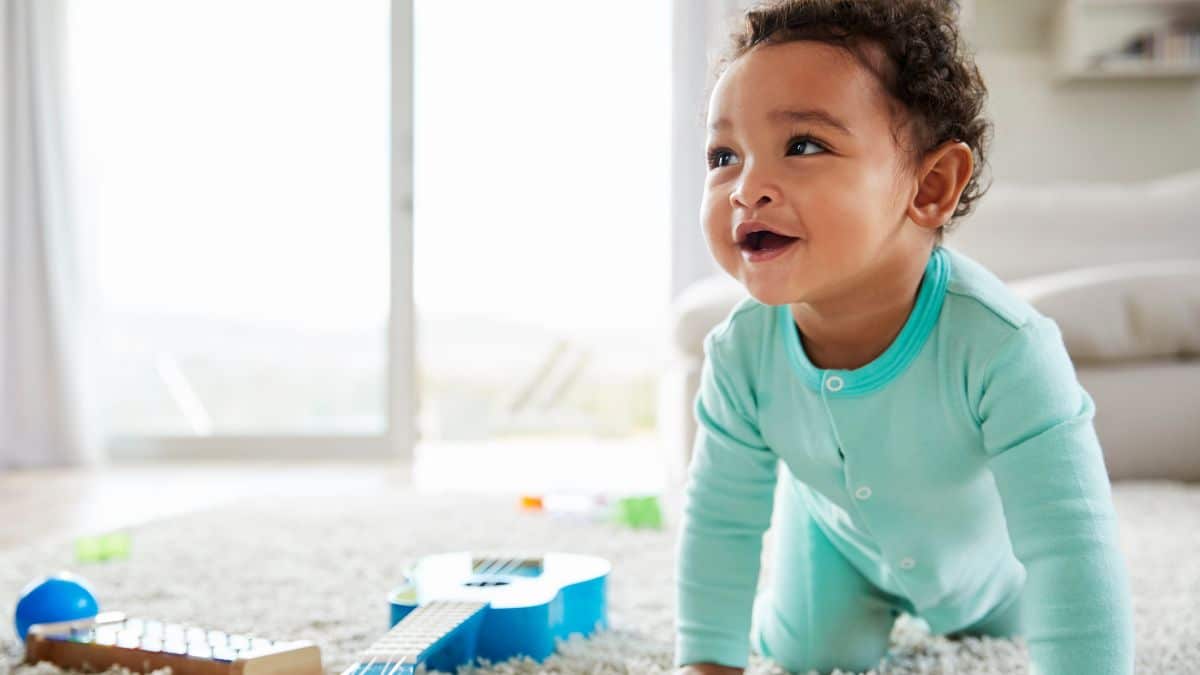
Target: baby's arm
[1049, 469]
[730, 494]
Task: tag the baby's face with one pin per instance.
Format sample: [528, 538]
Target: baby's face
[801, 139]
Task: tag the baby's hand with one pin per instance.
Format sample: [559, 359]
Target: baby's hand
[708, 669]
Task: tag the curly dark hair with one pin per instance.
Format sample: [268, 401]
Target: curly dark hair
[929, 70]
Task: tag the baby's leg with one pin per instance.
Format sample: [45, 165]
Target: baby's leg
[819, 612]
[1003, 621]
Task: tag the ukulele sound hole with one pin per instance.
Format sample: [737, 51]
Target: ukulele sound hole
[486, 582]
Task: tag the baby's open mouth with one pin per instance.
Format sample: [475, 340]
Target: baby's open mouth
[765, 240]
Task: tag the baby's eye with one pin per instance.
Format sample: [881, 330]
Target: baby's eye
[716, 156]
[804, 144]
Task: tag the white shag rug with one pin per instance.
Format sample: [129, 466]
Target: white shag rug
[319, 569]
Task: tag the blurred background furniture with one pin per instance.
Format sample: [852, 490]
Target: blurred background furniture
[1115, 265]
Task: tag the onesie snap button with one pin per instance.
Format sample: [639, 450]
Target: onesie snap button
[908, 564]
[833, 383]
[863, 492]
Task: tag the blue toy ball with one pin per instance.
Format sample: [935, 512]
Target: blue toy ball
[61, 597]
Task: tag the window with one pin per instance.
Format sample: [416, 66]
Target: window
[541, 204]
[234, 168]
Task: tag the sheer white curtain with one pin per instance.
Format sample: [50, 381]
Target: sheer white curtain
[47, 406]
[701, 30]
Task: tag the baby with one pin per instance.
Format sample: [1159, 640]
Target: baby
[917, 431]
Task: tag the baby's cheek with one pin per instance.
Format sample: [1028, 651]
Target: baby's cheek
[856, 214]
[843, 243]
[711, 203]
[714, 220]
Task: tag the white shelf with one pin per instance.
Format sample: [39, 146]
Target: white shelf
[1085, 28]
[1195, 4]
[1133, 71]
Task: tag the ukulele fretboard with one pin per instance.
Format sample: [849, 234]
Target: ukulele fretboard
[407, 642]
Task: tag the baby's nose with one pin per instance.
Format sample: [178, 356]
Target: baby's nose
[754, 190]
[747, 199]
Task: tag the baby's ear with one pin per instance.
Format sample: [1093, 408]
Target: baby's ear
[941, 178]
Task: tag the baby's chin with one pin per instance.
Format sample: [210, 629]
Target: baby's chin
[771, 286]
[773, 295]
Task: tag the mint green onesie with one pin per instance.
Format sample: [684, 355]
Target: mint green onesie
[957, 477]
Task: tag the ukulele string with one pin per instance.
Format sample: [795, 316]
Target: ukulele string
[374, 659]
[392, 661]
[489, 566]
[506, 566]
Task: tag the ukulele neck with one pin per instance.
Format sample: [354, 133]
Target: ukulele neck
[415, 637]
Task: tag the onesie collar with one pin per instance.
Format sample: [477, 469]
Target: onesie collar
[891, 362]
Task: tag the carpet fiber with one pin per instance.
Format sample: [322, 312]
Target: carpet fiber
[319, 569]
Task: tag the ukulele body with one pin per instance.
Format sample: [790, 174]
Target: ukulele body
[531, 602]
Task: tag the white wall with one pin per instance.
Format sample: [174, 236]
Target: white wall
[1045, 130]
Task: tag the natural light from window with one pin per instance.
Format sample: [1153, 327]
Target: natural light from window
[234, 166]
[541, 179]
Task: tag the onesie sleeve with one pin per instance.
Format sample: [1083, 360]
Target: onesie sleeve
[729, 497]
[1036, 419]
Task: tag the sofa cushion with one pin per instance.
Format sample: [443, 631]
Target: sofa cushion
[1132, 311]
[1019, 231]
[699, 308]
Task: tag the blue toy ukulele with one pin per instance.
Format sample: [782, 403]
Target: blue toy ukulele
[454, 608]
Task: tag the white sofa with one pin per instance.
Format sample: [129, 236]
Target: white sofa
[1117, 266]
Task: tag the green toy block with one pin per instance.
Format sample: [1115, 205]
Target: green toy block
[103, 547]
[638, 512]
